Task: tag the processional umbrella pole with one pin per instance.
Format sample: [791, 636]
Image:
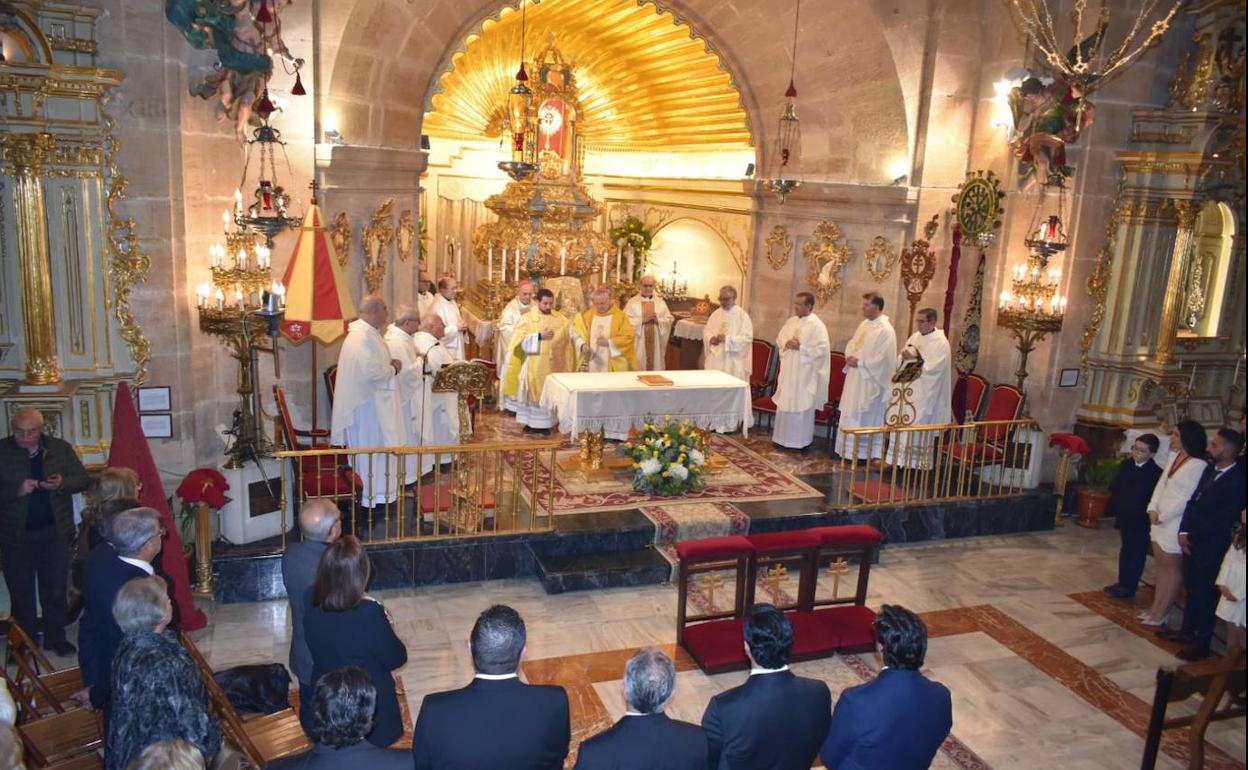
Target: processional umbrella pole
[787, 156]
[521, 163]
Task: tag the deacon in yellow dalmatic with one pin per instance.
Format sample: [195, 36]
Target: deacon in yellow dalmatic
[541, 345]
[603, 337]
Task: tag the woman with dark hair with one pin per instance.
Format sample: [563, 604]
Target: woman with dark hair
[345, 627]
[1165, 510]
[157, 694]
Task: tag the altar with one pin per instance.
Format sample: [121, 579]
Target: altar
[614, 402]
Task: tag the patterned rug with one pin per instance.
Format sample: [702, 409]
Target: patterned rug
[744, 475]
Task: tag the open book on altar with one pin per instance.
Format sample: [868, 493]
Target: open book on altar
[654, 379]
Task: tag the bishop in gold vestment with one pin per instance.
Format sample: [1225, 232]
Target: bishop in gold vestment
[603, 337]
[540, 346]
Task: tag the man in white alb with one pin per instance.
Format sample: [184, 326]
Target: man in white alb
[367, 412]
[455, 338]
[870, 360]
[931, 397]
[805, 367]
[439, 411]
[652, 325]
[507, 321]
[728, 336]
[411, 380]
[425, 294]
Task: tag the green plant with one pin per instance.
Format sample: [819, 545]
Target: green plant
[634, 233]
[1100, 474]
[185, 517]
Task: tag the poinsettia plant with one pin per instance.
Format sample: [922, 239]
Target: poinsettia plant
[202, 485]
[668, 458]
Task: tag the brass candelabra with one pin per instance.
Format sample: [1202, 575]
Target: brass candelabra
[1033, 308]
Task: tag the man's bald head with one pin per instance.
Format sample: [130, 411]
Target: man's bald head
[648, 283]
[27, 427]
[407, 318]
[432, 323]
[320, 519]
[373, 311]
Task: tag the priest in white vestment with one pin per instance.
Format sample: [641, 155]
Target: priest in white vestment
[805, 368]
[425, 294]
[652, 325]
[728, 337]
[931, 397]
[411, 379]
[455, 338]
[542, 346]
[367, 411]
[870, 360]
[507, 321]
[439, 411]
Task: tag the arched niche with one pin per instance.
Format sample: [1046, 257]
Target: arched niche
[701, 255]
[1205, 286]
[21, 42]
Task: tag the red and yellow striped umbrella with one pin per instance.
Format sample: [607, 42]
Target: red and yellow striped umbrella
[318, 303]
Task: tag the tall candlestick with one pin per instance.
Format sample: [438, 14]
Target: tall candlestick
[563, 259]
[517, 275]
[489, 271]
[1191, 382]
[1235, 379]
[619, 264]
[459, 264]
[502, 274]
[631, 272]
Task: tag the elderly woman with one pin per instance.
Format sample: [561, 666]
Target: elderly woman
[344, 627]
[176, 754]
[157, 693]
[111, 487]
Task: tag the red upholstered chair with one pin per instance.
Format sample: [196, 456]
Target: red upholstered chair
[762, 378]
[990, 442]
[848, 616]
[318, 475]
[976, 391]
[765, 404]
[331, 383]
[713, 637]
[830, 414]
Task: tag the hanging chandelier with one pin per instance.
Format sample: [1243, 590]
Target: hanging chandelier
[1078, 59]
[269, 211]
[787, 155]
[522, 159]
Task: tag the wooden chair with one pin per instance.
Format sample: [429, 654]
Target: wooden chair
[261, 739]
[62, 736]
[90, 761]
[762, 376]
[830, 414]
[331, 383]
[765, 403]
[1211, 679]
[38, 688]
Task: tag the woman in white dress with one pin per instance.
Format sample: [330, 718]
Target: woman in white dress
[1231, 583]
[1175, 487]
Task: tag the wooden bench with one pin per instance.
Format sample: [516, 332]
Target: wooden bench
[38, 688]
[1211, 679]
[62, 736]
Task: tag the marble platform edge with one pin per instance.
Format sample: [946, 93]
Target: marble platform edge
[560, 573]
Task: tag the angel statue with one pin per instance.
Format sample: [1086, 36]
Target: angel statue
[1046, 119]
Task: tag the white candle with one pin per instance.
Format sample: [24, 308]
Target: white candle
[490, 269]
[220, 300]
[459, 264]
[517, 275]
[1191, 382]
[1235, 379]
[631, 273]
[619, 264]
[502, 274]
[225, 221]
[563, 260]
[604, 267]
[238, 298]
[238, 201]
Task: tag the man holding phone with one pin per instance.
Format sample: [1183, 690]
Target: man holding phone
[39, 476]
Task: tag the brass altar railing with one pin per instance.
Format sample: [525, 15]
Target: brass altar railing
[401, 494]
[933, 463]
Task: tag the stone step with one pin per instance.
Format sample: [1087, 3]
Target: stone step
[580, 572]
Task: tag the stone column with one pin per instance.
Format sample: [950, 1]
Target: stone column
[1186, 212]
[27, 153]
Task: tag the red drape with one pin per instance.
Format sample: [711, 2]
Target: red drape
[130, 450]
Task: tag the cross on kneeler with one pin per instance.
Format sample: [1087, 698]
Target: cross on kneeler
[836, 569]
[774, 577]
[709, 582]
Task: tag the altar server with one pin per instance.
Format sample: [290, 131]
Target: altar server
[805, 367]
[411, 379]
[439, 411]
[424, 293]
[455, 338]
[367, 409]
[507, 321]
[541, 345]
[870, 360]
[652, 325]
[728, 336]
[603, 336]
[931, 400]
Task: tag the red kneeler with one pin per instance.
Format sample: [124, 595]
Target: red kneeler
[713, 638]
[853, 621]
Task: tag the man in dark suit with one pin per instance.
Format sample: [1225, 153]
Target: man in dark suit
[134, 542]
[646, 739]
[1205, 534]
[497, 720]
[1129, 495]
[899, 719]
[341, 717]
[321, 524]
[39, 476]
[775, 721]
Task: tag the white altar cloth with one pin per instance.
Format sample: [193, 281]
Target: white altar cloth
[616, 401]
[690, 329]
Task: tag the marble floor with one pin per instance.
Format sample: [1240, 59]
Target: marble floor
[1044, 673]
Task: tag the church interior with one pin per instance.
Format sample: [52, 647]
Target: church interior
[634, 316]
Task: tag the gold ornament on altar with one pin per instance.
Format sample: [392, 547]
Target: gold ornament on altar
[825, 257]
[779, 247]
[378, 234]
[880, 259]
[918, 266]
[340, 236]
[465, 379]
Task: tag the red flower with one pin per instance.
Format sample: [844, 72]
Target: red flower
[204, 485]
[1070, 442]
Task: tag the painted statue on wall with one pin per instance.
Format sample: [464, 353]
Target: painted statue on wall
[1047, 117]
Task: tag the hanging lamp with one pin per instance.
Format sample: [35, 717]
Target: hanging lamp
[522, 160]
[786, 161]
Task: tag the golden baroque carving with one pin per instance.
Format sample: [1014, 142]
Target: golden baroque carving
[880, 259]
[918, 266]
[464, 378]
[1192, 79]
[378, 234]
[1186, 211]
[825, 256]
[779, 247]
[405, 235]
[340, 237]
[129, 264]
[1098, 282]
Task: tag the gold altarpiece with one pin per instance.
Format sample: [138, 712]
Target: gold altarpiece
[67, 335]
[1165, 338]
